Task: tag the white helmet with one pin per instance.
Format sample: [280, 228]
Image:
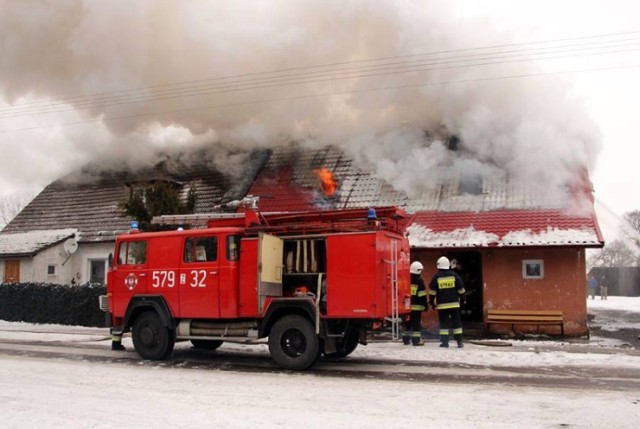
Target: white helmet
[443, 263]
[416, 267]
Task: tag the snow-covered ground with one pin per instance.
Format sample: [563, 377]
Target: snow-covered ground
[45, 392]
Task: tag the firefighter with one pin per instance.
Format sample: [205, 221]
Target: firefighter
[412, 327]
[116, 341]
[446, 290]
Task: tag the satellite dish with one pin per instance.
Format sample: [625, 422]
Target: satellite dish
[70, 246]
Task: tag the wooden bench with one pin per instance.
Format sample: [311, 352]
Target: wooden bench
[525, 317]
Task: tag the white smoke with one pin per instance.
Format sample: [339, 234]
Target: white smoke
[120, 81]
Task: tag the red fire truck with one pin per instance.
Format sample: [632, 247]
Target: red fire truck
[313, 282]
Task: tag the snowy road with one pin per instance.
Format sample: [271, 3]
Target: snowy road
[98, 388]
[55, 376]
[376, 361]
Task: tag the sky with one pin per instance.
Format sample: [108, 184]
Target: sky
[79, 393]
[534, 89]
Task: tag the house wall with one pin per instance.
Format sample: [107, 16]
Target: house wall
[67, 268]
[86, 252]
[563, 286]
[37, 271]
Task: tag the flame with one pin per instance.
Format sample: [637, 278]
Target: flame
[327, 182]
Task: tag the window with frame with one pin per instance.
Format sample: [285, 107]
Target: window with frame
[51, 270]
[132, 253]
[201, 249]
[97, 272]
[532, 269]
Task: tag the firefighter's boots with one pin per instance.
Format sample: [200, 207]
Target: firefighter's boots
[458, 338]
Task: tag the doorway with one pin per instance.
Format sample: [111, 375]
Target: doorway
[469, 268]
[11, 271]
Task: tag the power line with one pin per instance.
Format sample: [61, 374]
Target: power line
[404, 57]
[323, 76]
[306, 96]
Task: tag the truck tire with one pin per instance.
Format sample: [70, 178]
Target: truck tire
[293, 342]
[206, 344]
[151, 339]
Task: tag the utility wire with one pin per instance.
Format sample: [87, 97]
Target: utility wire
[330, 65]
[474, 60]
[306, 96]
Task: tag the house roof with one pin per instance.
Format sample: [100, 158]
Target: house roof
[288, 182]
[30, 243]
[498, 212]
[91, 206]
[504, 228]
[452, 213]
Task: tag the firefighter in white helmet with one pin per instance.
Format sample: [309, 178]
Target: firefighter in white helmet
[446, 290]
[413, 326]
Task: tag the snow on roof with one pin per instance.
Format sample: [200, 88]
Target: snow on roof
[504, 228]
[419, 236]
[550, 236]
[422, 237]
[28, 243]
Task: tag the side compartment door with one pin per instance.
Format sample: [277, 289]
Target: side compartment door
[200, 277]
[270, 252]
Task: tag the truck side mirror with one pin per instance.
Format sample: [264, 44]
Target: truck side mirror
[110, 259]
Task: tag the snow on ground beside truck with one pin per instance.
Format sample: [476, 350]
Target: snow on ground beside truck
[81, 394]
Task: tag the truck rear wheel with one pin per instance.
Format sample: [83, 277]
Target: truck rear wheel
[293, 343]
[151, 339]
[206, 344]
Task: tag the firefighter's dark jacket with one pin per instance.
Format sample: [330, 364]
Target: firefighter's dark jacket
[418, 293]
[446, 289]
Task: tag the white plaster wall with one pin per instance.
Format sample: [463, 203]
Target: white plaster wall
[76, 266]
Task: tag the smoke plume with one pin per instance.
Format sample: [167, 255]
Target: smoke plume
[119, 81]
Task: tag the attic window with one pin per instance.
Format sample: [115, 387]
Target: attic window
[470, 183]
[51, 270]
[532, 269]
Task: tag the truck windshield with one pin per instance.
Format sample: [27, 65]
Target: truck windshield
[132, 253]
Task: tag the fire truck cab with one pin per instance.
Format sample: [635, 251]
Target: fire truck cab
[311, 282]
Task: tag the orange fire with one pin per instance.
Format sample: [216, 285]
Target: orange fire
[327, 182]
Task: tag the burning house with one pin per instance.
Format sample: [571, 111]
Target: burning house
[515, 248]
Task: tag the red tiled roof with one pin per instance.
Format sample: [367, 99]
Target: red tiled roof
[505, 228]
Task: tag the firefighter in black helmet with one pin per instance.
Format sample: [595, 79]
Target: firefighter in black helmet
[446, 290]
[412, 327]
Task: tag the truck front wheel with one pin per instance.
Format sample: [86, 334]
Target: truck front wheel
[151, 339]
[293, 343]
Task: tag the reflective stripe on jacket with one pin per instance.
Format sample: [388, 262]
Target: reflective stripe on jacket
[418, 293]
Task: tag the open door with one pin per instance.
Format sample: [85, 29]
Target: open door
[270, 257]
[468, 265]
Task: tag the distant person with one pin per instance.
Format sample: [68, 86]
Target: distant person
[412, 333]
[592, 285]
[116, 342]
[457, 267]
[604, 288]
[446, 290]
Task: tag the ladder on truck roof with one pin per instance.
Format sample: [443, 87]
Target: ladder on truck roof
[360, 219]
